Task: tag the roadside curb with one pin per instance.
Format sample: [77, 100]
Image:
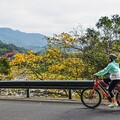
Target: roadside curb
[50, 100]
[45, 100]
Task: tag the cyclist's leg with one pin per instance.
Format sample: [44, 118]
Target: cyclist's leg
[118, 94]
[112, 85]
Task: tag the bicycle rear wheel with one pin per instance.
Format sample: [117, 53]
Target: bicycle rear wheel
[90, 97]
[118, 98]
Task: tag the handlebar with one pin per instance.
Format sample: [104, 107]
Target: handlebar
[96, 77]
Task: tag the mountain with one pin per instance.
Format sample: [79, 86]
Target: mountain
[6, 48]
[21, 39]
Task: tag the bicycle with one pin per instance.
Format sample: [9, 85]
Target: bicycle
[91, 97]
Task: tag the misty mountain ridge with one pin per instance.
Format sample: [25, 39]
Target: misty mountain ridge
[33, 41]
[6, 48]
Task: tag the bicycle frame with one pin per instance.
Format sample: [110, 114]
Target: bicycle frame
[100, 87]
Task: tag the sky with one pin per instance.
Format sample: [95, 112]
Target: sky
[51, 17]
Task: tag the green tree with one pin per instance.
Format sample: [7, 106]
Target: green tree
[109, 30]
[4, 66]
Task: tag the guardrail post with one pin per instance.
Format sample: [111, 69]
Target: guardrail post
[28, 93]
[70, 94]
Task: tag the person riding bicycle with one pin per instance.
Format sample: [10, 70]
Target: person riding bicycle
[114, 78]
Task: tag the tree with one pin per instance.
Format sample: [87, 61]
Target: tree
[5, 69]
[4, 66]
[26, 65]
[109, 29]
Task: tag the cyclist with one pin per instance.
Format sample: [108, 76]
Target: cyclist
[114, 78]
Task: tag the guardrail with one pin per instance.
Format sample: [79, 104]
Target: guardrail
[48, 84]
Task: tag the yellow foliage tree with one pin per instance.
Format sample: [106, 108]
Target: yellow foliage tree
[25, 64]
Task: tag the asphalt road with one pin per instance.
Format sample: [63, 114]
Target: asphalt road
[29, 110]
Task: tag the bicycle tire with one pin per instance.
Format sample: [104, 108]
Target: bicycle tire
[87, 101]
[118, 98]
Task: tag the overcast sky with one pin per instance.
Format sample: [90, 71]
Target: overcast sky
[50, 17]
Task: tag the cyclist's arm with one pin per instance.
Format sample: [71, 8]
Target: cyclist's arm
[104, 71]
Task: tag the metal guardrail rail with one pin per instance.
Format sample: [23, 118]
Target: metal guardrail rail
[47, 84]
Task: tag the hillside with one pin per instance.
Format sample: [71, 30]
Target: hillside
[22, 39]
[6, 48]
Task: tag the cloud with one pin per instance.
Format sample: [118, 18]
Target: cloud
[54, 16]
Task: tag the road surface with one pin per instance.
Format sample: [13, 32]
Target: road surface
[31, 110]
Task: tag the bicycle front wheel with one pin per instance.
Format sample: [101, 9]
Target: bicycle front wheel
[118, 98]
[90, 97]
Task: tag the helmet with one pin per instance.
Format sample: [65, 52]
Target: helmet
[112, 56]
